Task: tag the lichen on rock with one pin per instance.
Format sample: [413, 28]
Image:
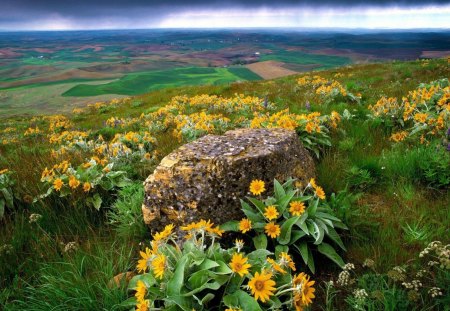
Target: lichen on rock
[206, 178]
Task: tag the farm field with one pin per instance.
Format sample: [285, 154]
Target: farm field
[370, 232]
[96, 65]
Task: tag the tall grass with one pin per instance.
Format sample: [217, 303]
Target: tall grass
[79, 282]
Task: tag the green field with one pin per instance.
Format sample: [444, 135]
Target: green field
[139, 83]
[324, 61]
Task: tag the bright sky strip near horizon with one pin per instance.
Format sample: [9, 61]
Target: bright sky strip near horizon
[395, 16]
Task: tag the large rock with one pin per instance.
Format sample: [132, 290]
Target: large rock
[206, 178]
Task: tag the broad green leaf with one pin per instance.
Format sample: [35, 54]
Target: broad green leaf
[303, 250]
[329, 251]
[260, 206]
[320, 235]
[208, 297]
[279, 190]
[198, 279]
[260, 241]
[223, 268]
[313, 208]
[8, 197]
[251, 214]
[284, 201]
[332, 234]
[286, 229]
[244, 301]
[97, 201]
[232, 225]
[296, 235]
[210, 285]
[322, 224]
[208, 264]
[327, 216]
[259, 256]
[311, 265]
[304, 227]
[2, 208]
[177, 281]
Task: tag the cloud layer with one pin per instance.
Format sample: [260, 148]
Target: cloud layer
[115, 14]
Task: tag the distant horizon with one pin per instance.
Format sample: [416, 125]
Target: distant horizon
[330, 29]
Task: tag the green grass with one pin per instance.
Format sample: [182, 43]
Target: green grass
[139, 83]
[392, 214]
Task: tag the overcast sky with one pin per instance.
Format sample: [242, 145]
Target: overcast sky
[133, 14]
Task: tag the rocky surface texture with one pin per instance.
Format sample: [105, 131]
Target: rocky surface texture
[206, 178]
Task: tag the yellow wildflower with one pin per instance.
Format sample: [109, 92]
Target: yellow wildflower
[257, 187]
[245, 225]
[271, 212]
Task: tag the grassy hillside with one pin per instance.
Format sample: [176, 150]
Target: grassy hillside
[385, 175]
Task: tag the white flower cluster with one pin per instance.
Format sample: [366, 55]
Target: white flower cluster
[421, 273]
[360, 297]
[344, 278]
[349, 267]
[71, 246]
[397, 273]
[434, 292]
[34, 218]
[442, 252]
[414, 285]
[369, 263]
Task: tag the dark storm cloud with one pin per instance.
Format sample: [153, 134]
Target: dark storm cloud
[87, 12]
[88, 7]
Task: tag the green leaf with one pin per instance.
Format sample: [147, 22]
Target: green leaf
[259, 256]
[210, 285]
[296, 235]
[303, 250]
[232, 225]
[177, 281]
[313, 208]
[106, 184]
[223, 268]
[311, 265]
[261, 207]
[8, 197]
[208, 297]
[2, 208]
[285, 235]
[279, 191]
[96, 201]
[208, 264]
[198, 279]
[284, 201]
[320, 234]
[301, 223]
[244, 301]
[251, 214]
[327, 216]
[332, 234]
[260, 241]
[328, 250]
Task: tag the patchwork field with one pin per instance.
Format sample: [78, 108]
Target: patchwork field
[85, 64]
[270, 69]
